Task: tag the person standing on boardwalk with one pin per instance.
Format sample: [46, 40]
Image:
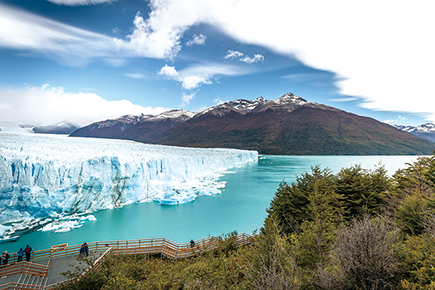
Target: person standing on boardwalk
[28, 251]
[85, 245]
[20, 254]
[5, 257]
[192, 243]
[84, 250]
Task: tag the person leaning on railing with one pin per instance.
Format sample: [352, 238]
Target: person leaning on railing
[28, 252]
[84, 250]
[20, 255]
[5, 257]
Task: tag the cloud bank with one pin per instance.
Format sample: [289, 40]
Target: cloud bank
[47, 105]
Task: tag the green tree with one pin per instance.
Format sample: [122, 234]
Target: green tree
[312, 197]
[363, 190]
[417, 178]
[274, 265]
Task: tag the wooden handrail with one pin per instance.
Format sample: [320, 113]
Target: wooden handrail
[160, 246]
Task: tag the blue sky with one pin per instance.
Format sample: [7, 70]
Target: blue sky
[88, 60]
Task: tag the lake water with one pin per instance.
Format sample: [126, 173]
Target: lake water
[241, 206]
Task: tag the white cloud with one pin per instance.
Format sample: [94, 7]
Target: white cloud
[197, 39]
[381, 51]
[169, 71]
[150, 39]
[396, 121]
[47, 105]
[192, 82]
[73, 46]
[232, 54]
[135, 75]
[186, 98]
[250, 60]
[116, 31]
[218, 101]
[348, 99]
[68, 44]
[80, 2]
[197, 75]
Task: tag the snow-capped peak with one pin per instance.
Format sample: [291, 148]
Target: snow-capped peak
[245, 106]
[424, 128]
[290, 98]
[174, 114]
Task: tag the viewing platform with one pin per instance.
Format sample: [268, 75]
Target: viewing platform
[44, 269]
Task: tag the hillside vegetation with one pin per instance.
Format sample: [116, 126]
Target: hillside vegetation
[357, 229]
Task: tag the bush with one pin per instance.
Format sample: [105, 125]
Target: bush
[275, 261]
[362, 257]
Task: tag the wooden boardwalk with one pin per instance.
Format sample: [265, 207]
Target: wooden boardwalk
[43, 271]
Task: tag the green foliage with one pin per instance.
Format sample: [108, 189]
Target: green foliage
[315, 240]
[363, 190]
[227, 244]
[311, 198]
[417, 262]
[417, 178]
[274, 262]
[412, 213]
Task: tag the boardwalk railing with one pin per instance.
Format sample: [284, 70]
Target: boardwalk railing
[158, 246]
[26, 268]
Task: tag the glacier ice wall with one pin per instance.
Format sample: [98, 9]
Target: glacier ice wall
[45, 176]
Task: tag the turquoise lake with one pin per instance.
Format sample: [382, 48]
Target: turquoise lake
[241, 206]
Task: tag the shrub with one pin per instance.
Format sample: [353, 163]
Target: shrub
[362, 257]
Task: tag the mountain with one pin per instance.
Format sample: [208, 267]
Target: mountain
[426, 131]
[288, 125]
[59, 128]
[143, 128]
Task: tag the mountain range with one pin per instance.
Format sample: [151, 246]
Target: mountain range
[426, 131]
[288, 125]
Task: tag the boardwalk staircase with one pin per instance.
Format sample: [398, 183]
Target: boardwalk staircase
[44, 270]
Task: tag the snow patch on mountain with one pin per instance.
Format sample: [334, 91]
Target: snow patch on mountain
[290, 98]
[426, 131]
[424, 128]
[174, 114]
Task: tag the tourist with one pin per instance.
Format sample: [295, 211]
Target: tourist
[84, 250]
[5, 257]
[28, 251]
[192, 243]
[20, 254]
[85, 245]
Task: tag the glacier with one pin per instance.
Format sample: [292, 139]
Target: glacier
[44, 178]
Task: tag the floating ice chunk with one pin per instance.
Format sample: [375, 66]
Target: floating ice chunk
[88, 218]
[61, 227]
[3, 229]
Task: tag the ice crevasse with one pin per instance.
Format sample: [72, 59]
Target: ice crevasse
[43, 177]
